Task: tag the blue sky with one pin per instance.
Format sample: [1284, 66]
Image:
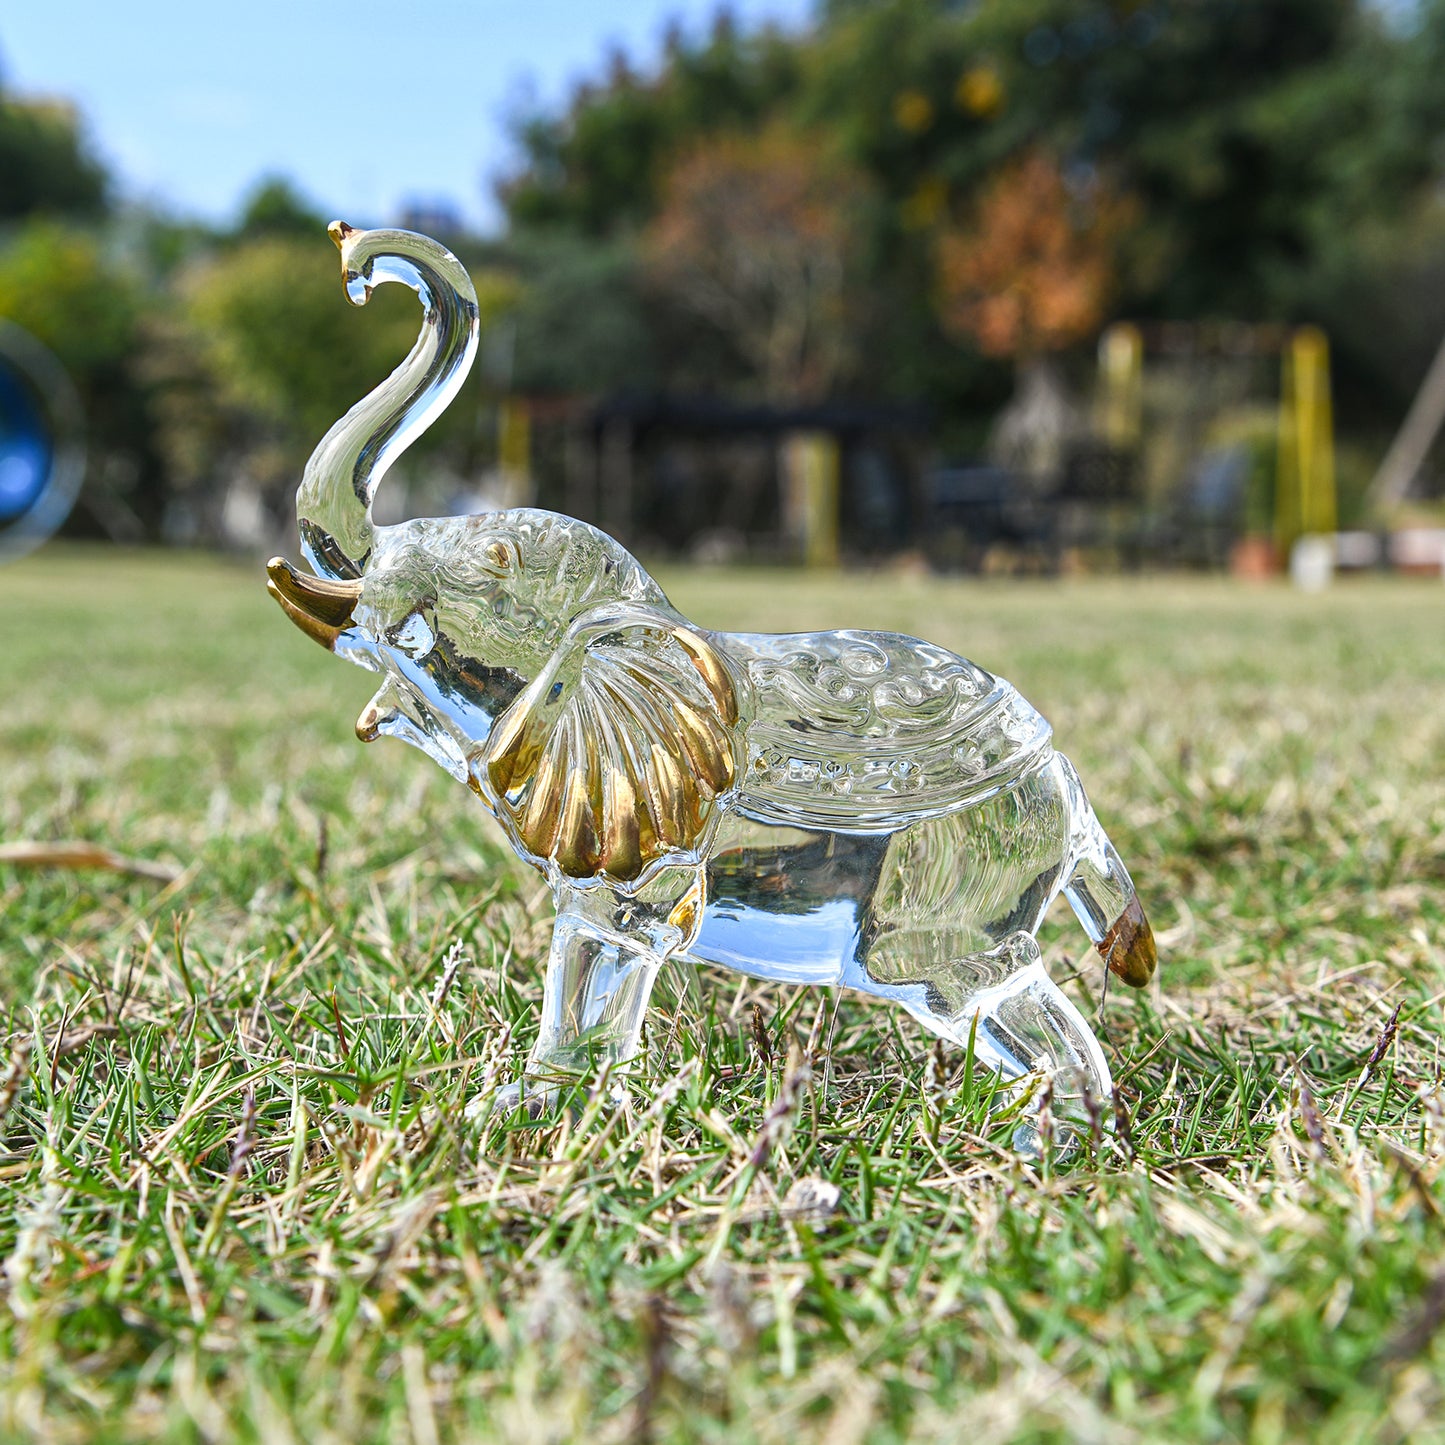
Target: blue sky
[363, 106]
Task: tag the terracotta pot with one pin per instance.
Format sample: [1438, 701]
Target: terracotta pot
[1254, 558]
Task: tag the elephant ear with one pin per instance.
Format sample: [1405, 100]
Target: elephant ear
[616, 754]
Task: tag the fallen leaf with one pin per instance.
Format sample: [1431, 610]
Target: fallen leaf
[80, 855]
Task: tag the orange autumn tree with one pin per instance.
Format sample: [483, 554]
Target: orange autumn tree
[756, 236]
[1034, 272]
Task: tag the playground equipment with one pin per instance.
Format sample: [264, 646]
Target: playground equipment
[1413, 441]
[1186, 400]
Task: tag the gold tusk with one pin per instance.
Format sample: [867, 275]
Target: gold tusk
[331, 603]
[320, 608]
[316, 631]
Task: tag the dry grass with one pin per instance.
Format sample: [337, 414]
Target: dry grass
[240, 1200]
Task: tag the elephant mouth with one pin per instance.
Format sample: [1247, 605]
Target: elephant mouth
[321, 608]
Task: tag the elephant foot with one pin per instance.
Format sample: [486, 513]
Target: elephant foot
[537, 1099]
[525, 1097]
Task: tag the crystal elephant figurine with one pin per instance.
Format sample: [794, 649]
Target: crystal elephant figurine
[844, 808]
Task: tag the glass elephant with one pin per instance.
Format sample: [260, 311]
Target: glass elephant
[858, 809]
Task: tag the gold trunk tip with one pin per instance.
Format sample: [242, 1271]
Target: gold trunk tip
[1128, 947]
[340, 233]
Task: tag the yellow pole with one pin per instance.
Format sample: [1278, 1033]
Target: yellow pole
[514, 449]
[1316, 431]
[1305, 496]
[1286, 472]
[812, 465]
[1121, 367]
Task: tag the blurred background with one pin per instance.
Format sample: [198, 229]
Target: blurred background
[993, 285]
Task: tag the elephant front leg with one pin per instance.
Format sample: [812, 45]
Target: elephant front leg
[607, 950]
[594, 999]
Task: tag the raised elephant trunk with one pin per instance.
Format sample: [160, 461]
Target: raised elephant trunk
[333, 504]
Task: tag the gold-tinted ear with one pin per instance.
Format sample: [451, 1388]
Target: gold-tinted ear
[624, 766]
[712, 670]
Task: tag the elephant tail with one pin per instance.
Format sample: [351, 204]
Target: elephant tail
[1102, 894]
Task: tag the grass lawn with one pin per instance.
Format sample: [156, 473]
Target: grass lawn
[238, 1199]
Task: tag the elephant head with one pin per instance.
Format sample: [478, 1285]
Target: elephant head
[527, 653]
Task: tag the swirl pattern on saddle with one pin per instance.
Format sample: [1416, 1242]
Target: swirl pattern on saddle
[869, 731]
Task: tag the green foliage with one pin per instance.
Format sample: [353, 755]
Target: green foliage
[756, 238]
[1254, 139]
[1175, 102]
[45, 165]
[1278, 160]
[57, 283]
[1379, 291]
[283, 342]
[596, 169]
[265, 354]
[241, 1200]
[580, 322]
[275, 208]
[85, 302]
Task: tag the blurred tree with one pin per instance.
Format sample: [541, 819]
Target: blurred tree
[596, 167]
[275, 208]
[1030, 275]
[1251, 134]
[281, 341]
[1035, 270]
[1194, 108]
[285, 356]
[45, 163]
[1379, 290]
[580, 324]
[56, 282]
[755, 237]
[1284, 156]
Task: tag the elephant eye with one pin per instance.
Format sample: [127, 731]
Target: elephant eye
[500, 558]
[415, 636]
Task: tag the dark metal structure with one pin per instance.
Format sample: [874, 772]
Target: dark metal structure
[701, 474]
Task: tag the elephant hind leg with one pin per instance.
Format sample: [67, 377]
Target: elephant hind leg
[1027, 1025]
[1022, 1026]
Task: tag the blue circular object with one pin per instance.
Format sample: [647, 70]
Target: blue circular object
[26, 451]
[41, 453]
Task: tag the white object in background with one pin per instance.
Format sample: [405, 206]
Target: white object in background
[1357, 551]
[1419, 549]
[1312, 563]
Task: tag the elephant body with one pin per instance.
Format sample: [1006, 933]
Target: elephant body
[847, 808]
